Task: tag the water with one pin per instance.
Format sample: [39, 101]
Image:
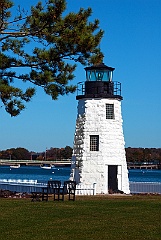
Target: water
[63, 173]
[140, 175]
[34, 173]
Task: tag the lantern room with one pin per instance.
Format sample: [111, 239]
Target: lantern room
[99, 72]
[99, 83]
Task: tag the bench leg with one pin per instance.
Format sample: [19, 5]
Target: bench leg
[45, 195]
[61, 196]
[36, 197]
[71, 196]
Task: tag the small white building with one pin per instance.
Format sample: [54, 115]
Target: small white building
[99, 147]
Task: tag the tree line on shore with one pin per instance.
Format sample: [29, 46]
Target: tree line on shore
[134, 155]
[148, 155]
[50, 154]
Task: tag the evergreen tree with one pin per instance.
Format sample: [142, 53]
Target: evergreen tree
[42, 48]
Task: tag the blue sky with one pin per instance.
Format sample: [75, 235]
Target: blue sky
[132, 45]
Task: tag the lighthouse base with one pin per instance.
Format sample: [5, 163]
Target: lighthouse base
[113, 179]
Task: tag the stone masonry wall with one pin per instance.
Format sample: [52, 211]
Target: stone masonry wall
[93, 165]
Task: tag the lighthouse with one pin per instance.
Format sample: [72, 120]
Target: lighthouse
[99, 147]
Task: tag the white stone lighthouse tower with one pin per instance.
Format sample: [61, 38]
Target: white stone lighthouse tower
[99, 151]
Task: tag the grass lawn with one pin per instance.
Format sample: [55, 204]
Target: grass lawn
[89, 217]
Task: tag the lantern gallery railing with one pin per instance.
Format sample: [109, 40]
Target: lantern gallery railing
[98, 88]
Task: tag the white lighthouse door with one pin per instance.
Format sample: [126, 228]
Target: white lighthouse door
[112, 178]
[119, 177]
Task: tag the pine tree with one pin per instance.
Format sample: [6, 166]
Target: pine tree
[42, 48]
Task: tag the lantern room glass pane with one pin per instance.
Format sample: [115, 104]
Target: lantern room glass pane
[98, 75]
[91, 75]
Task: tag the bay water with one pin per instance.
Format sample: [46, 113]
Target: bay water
[63, 173]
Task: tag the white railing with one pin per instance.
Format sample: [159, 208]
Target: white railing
[20, 181]
[19, 185]
[145, 187]
[82, 189]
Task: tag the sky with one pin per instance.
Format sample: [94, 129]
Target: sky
[132, 45]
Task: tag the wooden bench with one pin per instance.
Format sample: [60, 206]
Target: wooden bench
[59, 192]
[69, 189]
[53, 188]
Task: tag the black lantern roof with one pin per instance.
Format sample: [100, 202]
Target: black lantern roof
[100, 66]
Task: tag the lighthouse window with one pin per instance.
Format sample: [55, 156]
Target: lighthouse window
[94, 143]
[109, 111]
